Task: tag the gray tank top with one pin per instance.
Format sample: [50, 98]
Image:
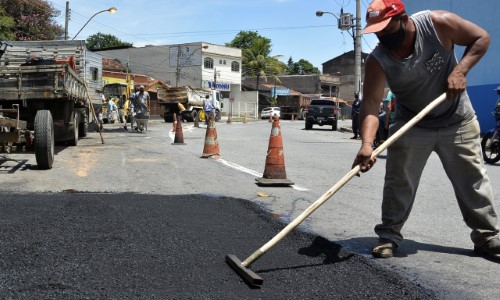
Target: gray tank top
[422, 77]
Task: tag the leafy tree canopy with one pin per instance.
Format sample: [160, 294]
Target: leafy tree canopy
[101, 41]
[302, 67]
[33, 20]
[246, 39]
[256, 50]
[257, 63]
[6, 26]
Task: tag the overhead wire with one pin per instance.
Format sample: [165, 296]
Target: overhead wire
[81, 19]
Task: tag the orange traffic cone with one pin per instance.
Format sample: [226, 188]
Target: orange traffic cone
[174, 123]
[211, 148]
[274, 172]
[179, 136]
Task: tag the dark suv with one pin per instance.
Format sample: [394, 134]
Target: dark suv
[321, 112]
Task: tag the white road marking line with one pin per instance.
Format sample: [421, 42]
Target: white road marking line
[254, 173]
[188, 128]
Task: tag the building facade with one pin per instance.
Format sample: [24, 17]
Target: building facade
[199, 65]
[343, 66]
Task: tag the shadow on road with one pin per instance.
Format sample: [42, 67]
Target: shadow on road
[11, 166]
[320, 247]
[409, 247]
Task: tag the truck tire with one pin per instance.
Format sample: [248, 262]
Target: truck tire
[83, 128]
[74, 129]
[44, 139]
[194, 114]
[168, 118]
[302, 114]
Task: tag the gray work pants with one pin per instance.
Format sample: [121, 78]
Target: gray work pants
[459, 149]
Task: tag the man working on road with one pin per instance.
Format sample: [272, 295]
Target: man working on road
[209, 108]
[141, 106]
[112, 109]
[415, 56]
[131, 107]
[142, 101]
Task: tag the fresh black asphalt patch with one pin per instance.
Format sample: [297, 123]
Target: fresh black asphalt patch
[131, 246]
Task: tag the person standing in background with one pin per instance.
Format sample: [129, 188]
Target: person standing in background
[356, 105]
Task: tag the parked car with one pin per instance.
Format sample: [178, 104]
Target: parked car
[270, 111]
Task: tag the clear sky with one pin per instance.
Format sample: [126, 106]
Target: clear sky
[291, 25]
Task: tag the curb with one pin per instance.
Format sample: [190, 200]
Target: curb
[345, 129]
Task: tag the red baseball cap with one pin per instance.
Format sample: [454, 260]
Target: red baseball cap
[380, 13]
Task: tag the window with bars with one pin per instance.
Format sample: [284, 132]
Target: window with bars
[209, 63]
[235, 66]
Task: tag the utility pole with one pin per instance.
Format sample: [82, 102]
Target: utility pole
[215, 79]
[345, 22]
[66, 21]
[178, 68]
[357, 49]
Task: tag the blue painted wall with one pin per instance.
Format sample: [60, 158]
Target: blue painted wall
[484, 78]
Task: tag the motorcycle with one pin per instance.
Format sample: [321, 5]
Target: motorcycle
[491, 141]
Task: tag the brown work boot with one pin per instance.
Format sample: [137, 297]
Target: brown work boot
[384, 249]
[489, 247]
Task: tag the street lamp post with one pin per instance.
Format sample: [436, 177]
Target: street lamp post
[111, 10]
[66, 20]
[356, 35]
[179, 66]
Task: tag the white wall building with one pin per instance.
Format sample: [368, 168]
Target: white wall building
[194, 64]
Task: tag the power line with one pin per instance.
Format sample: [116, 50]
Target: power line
[76, 18]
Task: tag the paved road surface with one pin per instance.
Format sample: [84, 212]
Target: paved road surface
[130, 246]
[436, 252]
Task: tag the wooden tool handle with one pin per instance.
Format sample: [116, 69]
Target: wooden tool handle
[340, 183]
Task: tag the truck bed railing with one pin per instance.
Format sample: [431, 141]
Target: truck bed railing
[41, 82]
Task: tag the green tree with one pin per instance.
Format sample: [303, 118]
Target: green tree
[258, 63]
[246, 39]
[34, 19]
[256, 56]
[289, 63]
[302, 67]
[101, 41]
[7, 26]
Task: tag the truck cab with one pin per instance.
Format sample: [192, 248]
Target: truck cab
[216, 99]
